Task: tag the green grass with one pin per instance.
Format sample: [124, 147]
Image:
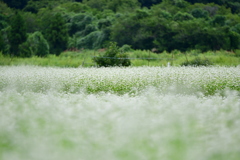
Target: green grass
[176, 58]
[85, 59]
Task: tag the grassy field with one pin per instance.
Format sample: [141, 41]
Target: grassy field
[138, 58]
[167, 113]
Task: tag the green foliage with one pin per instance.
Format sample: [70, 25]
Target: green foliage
[44, 18]
[236, 28]
[200, 13]
[112, 57]
[237, 53]
[136, 30]
[5, 10]
[235, 7]
[219, 20]
[182, 16]
[36, 45]
[104, 23]
[72, 42]
[162, 24]
[17, 34]
[32, 22]
[197, 62]
[94, 40]
[87, 31]
[3, 21]
[18, 4]
[5, 46]
[114, 5]
[234, 39]
[233, 4]
[2, 43]
[25, 50]
[81, 23]
[149, 3]
[84, 58]
[57, 35]
[35, 6]
[76, 7]
[125, 48]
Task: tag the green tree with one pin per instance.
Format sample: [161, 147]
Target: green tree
[18, 4]
[180, 16]
[4, 9]
[36, 45]
[235, 6]
[17, 34]
[149, 3]
[219, 20]
[135, 29]
[234, 40]
[2, 44]
[200, 13]
[113, 57]
[94, 40]
[32, 22]
[114, 5]
[3, 21]
[57, 35]
[81, 23]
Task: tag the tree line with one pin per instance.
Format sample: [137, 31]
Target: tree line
[41, 27]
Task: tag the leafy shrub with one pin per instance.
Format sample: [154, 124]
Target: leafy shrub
[237, 53]
[126, 48]
[112, 57]
[25, 50]
[197, 62]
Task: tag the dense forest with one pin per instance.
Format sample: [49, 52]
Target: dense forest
[41, 27]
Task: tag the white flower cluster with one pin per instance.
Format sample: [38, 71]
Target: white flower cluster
[185, 80]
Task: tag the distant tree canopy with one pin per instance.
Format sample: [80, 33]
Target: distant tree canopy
[36, 45]
[18, 34]
[1, 43]
[57, 34]
[57, 25]
[114, 5]
[149, 3]
[18, 4]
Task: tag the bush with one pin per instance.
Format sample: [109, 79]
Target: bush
[126, 48]
[112, 57]
[197, 62]
[237, 53]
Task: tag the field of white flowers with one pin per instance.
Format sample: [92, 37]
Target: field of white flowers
[144, 113]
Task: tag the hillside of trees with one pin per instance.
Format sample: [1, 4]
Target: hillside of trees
[41, 27]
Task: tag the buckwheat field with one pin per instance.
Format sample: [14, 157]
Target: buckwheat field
[135, 113]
